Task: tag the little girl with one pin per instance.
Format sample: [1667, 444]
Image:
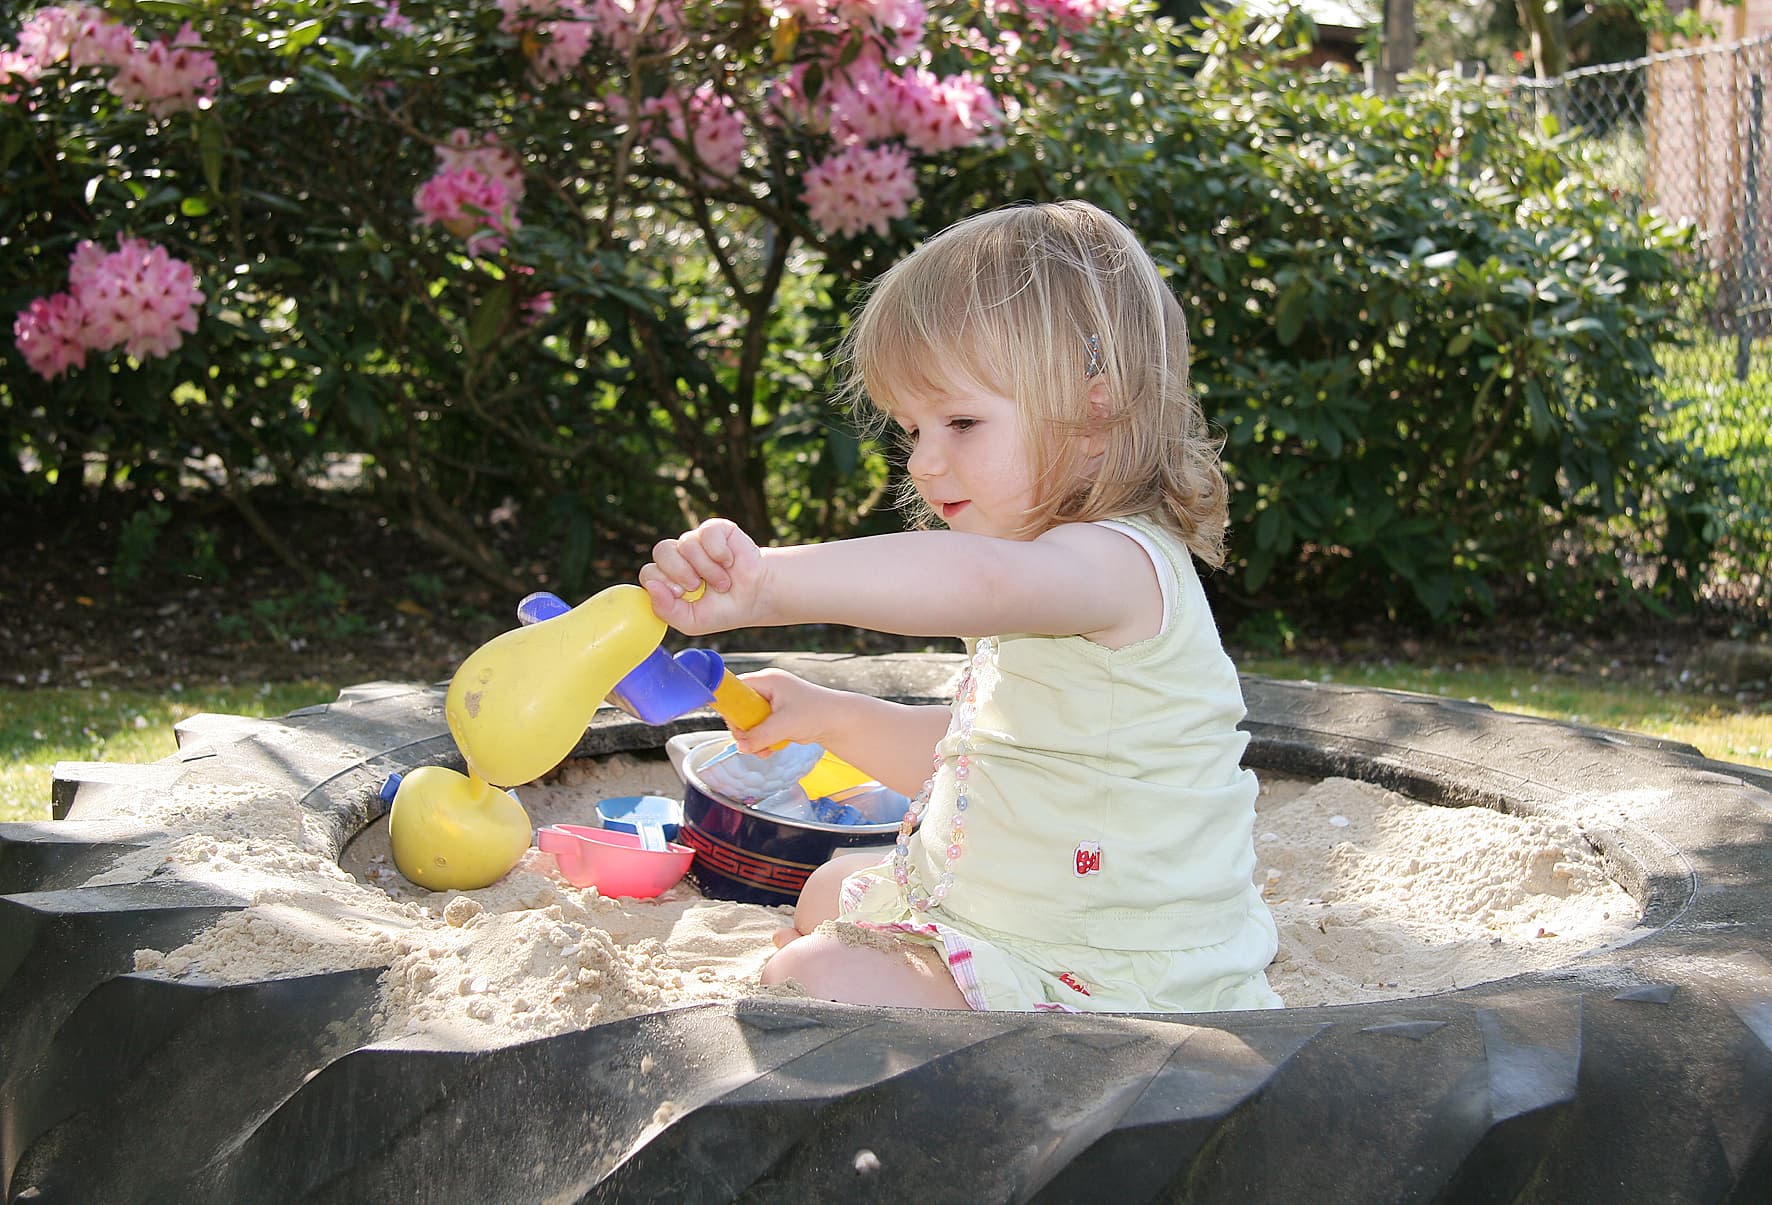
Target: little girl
[1085, 833]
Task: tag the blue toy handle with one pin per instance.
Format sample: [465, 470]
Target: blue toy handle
[539, 606]
[659, 689]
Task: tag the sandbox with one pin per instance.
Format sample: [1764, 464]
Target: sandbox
[1511, 950]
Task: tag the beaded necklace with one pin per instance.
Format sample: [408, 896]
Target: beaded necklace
[965, 707]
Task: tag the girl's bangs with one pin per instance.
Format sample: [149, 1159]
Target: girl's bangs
[932, 346]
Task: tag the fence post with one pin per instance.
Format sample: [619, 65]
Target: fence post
[1747, 285]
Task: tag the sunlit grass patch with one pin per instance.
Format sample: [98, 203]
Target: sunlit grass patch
[41, 727]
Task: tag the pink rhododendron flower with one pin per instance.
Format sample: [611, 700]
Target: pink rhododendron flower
[169, 76]
[942, 114]
[49, 336]
[708, 124]
[102, 42]
[556, 33]
[860, 188]
[137, 297]
[394, 23]
[621, 23]
[864, 105]
[464, 200]
[1072, 14]
[538, 307]
[48, 35]
[893, 29]
[476, 187]
[899, 23]
[563, 48]
[628, 23]
[486, 157]
[15, 66]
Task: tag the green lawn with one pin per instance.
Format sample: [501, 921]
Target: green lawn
[41, 727]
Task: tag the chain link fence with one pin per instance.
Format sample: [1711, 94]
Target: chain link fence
[1685, 132]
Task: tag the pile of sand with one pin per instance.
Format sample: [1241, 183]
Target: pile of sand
[1376, 897]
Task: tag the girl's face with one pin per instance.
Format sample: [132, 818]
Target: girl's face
[969, 460]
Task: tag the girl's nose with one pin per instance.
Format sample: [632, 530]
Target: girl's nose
[923, 462]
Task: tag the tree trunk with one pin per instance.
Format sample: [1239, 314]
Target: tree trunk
[1545, 27]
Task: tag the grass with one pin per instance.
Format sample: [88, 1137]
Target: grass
[1732, 420]
[41, 727]
[1720, 727]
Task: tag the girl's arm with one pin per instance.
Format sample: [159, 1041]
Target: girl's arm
[1077, 579]
[891, 741]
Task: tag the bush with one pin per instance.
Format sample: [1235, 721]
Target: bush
[1430, 343]
[574, 269]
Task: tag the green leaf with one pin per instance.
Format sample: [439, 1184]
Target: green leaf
[489, 318]
[1261, 563]
[1289, 314]
[301, 36]
[209, 146]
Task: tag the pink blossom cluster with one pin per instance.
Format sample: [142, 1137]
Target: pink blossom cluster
[895, 27]
[708, 124]
[137, 297]
[932, 113]
[557, 34]
[1073, 15]
[167, 76]
[394, 22]
[474, 193]
[78, 34]
[860, 188]
[171, 75]
[871, 107]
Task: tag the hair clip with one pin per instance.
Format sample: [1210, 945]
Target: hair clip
[1093, 366]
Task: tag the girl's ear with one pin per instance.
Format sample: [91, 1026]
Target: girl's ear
[1100, 409]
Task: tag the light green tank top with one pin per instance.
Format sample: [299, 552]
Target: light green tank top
[1106, 803]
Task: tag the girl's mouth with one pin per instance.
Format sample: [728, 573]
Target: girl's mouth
[950, 509]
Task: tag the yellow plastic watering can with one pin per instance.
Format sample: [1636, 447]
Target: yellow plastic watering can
[521, 701]
[516, 707]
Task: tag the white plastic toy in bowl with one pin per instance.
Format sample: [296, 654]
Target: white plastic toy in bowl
[744, 778]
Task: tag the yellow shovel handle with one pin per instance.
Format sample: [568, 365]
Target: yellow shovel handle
[738, 704]
[742, 707]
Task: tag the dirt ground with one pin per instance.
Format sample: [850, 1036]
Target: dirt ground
[89, 600]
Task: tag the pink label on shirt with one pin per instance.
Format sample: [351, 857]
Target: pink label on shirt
[1088, 858]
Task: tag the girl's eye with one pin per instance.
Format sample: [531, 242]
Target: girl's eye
[962, 424]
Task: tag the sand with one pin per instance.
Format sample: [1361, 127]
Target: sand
[1375, 897]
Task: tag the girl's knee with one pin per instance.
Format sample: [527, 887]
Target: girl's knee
[819, 898]
[829, 968]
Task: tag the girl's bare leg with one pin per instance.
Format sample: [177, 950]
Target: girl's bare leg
[818, 899]
[830, 968]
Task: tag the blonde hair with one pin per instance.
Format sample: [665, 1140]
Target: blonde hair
[1009, 300]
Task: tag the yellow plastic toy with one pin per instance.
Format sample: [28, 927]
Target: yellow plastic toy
[521, 701]
[741, 706]
[516, 707]
[453, 833]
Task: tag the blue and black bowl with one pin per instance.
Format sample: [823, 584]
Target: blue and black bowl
[756, 858]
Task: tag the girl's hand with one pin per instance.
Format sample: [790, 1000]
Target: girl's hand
[718, 556]
[798, 711]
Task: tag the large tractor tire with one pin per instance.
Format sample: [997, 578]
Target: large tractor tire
[1637, 1073]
